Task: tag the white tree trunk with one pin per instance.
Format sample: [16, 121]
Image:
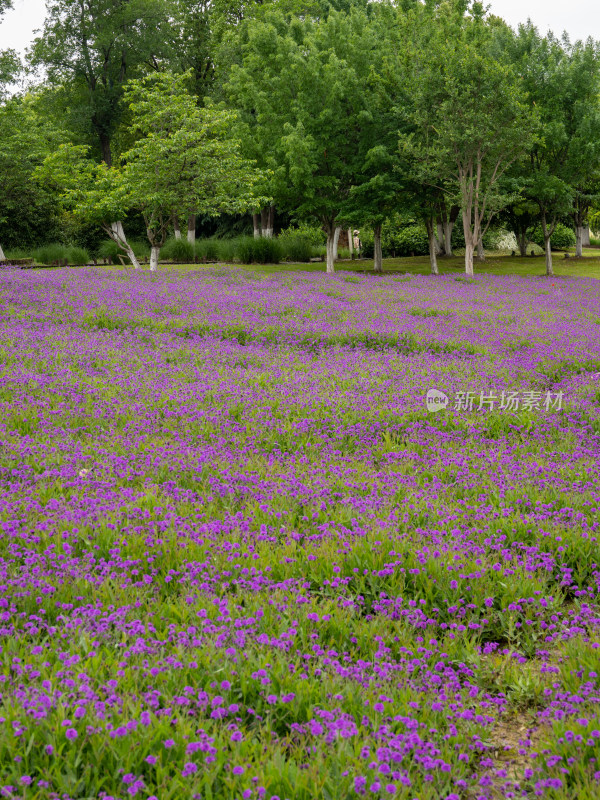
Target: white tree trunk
[350, 243]
[469, 251]
[176, 228]
[377, 252]
[330, 251]
[448, 228]
[432, 249]
[579, 241]
[117, 234]
[191, 232]
[154, 254]
[336, 238]
[256, 225]
[2, 256]
[586, 236]
[470, 239]
[132, 256]
[268, 221]
[548, 251]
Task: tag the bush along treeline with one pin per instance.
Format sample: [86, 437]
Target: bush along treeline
[429, 127]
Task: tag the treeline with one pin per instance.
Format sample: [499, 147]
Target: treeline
[158, 118]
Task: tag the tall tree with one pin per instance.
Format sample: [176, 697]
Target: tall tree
[300, 84]
[563, 168]
[10, 63]
[91, 48]
[28, 210]
[471, 118]
[184, 159]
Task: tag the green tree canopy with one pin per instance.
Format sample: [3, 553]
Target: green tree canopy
[184, 159]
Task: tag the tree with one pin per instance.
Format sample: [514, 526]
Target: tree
[91, 48]
[183, 160]
[10, 63]
[563, 168]
[470, 116]
[302, 83]
[27, 209]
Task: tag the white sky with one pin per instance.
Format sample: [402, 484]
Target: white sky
[580, 18]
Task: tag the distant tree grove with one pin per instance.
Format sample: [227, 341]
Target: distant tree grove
[157, 116]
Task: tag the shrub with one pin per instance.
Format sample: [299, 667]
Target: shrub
[77, 255]
[141, 249]
[249, 250]
[397, 239]
[110, 250]
[562, 238]
[315, 235]
[178, 250]
[593, 242]
[17, 253]
[208, 249]
[343, 253]
[295, 246]
[51, 253]
[267, 251]
[224, 249]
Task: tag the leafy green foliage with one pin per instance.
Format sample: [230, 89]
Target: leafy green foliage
[562, 237]
[397, 240]
[91, 50]
[179, 250]
[28, 210]
[471, 120]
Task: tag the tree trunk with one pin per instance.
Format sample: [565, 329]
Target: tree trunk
[2, 256]
[470, 240]
[154, 254]
[522, 242]
[548, 251]
[579, 241]
[480, 250]
[377, 252]
[586, 236]
[350, 243]
[469, 251]
[336, 239]
[271, 225]
[117, 234]
[432, 246]
[105, 149]
[448, 228]
[256, 225]
[267, 221]
[330, 250]
[191, 231]
[176, 228]
[548, 231]
[439, 238]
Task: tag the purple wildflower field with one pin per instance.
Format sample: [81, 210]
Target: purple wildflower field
[240, 559]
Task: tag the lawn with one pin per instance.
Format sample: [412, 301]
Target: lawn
[495, 264]
[241, 559]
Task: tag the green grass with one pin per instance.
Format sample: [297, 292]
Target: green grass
[588, 267]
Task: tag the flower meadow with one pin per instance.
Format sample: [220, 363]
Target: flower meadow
[240, 559]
